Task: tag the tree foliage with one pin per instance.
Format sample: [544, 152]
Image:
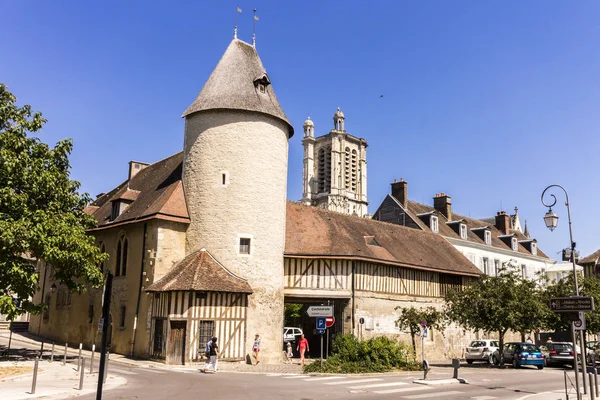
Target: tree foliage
[410, 321]
[41, 212]
[498, 304]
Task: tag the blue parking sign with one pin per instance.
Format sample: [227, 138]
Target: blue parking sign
[321, 323]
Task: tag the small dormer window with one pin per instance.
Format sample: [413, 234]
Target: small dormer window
[534, 248]
[514, 244]
[433, 224]
[488, 237]
[261, 87]
[262, 82]
[463, 231]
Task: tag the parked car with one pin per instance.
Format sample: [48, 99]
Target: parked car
[558, 353]
[592, 347]
[481, 350]
[291, 334]
[518, 354]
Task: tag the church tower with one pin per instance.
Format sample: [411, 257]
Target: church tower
[234, 176]
[335, 169]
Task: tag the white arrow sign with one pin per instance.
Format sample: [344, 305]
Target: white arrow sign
[320, 311]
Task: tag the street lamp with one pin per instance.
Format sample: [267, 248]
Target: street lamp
[551, 221]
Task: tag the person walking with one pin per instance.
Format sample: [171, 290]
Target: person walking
[256, 348]
[289, 352]
[214, 354]
[302, 347]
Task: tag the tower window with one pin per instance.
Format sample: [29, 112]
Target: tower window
[244, 245]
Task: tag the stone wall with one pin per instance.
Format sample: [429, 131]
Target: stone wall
[235, 176]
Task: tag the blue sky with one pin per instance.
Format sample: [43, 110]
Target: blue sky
[487, 101]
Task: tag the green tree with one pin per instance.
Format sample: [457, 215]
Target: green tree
[498, 304]
[41, 213]
[410, 321]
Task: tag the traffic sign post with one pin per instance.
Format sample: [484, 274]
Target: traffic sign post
[329, 321]
[320, 311]
[321, 323]
[579, 323]
[572, 304]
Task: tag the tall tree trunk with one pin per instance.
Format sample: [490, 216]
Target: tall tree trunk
[522, 336]
[501, 347]
[414, 345]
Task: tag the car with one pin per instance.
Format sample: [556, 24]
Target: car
[558, 353]
[481, 350]
[592, 348]
[519, 354]
[291, 334]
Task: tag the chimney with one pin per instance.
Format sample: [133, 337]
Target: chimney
[503, 222]
[400, 192]
[443, 204]
[135, 167]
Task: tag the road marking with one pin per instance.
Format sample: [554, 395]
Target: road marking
[405, 389]
[327, 378]
[376, 385]
[297, 377]
[484, 398]
[354, 381]
[428, 395]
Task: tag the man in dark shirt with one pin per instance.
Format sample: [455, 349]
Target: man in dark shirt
[214, 354]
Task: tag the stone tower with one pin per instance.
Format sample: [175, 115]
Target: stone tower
[335, 169]
[234, 176]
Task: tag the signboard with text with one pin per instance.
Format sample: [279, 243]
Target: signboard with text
[320, 311]
[572, 304]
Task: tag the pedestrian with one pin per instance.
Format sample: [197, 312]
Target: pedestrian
[256, 348]
[289, 352]
[214, 354]
[302, 347]
[529, 340]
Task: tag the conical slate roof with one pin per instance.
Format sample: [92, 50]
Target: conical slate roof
[232, 85]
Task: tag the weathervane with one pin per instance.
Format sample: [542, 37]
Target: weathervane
[254, 29]
[237, 12]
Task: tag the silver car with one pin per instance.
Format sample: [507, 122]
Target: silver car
[481, 350]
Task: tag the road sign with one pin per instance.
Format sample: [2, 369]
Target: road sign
[424, 333]
[329, 321]
[320, 311]
[570, 304]
[580, 322]
[321, 323]
[361, 320]
[321, 332]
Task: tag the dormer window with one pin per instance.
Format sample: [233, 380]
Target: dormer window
[487, 237]
[463, 231]
[534, 248]
[262, 82]
[514, 244]
[433, 224]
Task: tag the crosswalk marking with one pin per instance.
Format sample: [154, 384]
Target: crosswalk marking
[404, 389]
[327, 378]
[379, 385]
[297, 377]
[354, 381]
[427, 395]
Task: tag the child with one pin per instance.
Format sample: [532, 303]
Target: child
[289, 353]
[256, 348]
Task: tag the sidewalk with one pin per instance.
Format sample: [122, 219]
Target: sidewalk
[53, 380]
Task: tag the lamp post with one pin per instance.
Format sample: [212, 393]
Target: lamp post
[551, 221]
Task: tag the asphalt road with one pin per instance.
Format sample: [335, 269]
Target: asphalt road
[484, 383]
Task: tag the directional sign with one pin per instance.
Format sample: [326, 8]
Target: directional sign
[329, 321]
[579, 323]
[571, 304]
[321, 323]
[321, 331]
[320, 311]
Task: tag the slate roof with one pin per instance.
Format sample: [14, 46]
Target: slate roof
[201, 272]
[231, 85]
[156, 192]
[314, 232]
[591, 259]
[415, 208]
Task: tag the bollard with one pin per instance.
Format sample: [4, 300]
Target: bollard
[566, 391]
[82, 374]
[106, 367]
[425, 369]
[52, 353]
[79, 357]
[92, 359]
[456, 366]
[65, 357]
[35, 371]
[592, 391]
[596, 380]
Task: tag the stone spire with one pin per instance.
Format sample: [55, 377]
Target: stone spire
[526, 231]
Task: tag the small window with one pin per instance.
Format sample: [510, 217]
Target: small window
[223, 179]
[261, 87]
[485, 265]
[206, 331]
[524, 271]
[463, 231]
[121, 261]
[434, 223]
[488, 237]
[497, 267]
[515, 244]
[244, 246]
[122, 317]
[534, 248]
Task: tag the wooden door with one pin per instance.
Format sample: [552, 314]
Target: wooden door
[176, 347]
